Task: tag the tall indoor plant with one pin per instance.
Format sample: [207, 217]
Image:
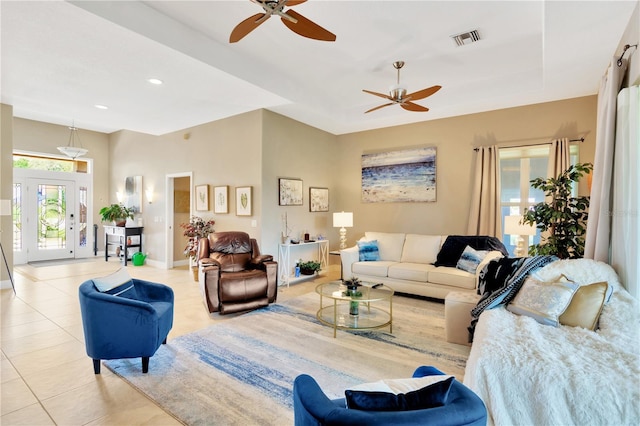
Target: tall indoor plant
[194, 230]
[561, 218]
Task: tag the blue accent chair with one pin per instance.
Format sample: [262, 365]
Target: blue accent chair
[127, 326]
[312, 407]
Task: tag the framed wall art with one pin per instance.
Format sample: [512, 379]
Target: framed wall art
[133, 193]
[318, 199]
[407, 175]
[244, 202]
[202, 198]
[289, 192]
[221, 199]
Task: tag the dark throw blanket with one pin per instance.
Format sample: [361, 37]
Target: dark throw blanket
[500, 280]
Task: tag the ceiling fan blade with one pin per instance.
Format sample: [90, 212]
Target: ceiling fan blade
[410, 106]
[378, 107]
[294, 2]
[307, 28]
[421, 94]
[246, 26]
[377, 94]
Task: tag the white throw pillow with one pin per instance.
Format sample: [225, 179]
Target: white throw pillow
[543, 301]
[397, 386]
[111, 281]
[389, 244]
[421, 248]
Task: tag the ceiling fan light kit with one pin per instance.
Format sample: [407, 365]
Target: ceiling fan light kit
[291, 19]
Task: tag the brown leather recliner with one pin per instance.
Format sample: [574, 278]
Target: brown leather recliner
[233, 275]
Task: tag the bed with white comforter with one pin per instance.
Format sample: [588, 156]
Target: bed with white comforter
[532, 374]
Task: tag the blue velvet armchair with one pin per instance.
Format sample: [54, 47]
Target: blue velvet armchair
[313, 407]
[131, 323]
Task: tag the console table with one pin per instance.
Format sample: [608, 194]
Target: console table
[121, 236]
[286, 265]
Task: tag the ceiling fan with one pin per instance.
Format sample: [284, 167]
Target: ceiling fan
[293, 20]
[398, 94]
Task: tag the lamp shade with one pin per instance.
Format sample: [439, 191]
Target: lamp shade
[512, 226]
[343, 220]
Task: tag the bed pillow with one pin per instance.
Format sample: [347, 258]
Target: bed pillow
[470, 259]
[368, 251]
[586, 306]
[543, 301]
[401, 394]
[118, 283]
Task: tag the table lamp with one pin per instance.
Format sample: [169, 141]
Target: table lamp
[343, 220]
[512, 226]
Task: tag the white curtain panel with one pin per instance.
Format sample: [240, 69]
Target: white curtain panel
[625, 218]
[599, 223]
[559, 157]
[484, 215]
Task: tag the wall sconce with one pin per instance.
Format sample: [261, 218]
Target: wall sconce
[120, 197]
[149, 193]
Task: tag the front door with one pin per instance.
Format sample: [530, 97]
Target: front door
[50, 219]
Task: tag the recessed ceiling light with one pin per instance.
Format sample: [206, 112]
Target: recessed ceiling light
[154, 81]
[101, 106]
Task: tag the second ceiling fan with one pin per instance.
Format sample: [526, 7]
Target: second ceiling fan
[398, 94]
[293, 20]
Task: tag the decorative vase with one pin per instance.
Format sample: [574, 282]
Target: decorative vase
[353, 308]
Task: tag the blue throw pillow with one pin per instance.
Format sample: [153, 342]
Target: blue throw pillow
[434, 395]
[368, 250]
[471, 259]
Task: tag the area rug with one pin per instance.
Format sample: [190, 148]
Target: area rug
[241, 371]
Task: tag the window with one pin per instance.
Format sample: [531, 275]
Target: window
[518, 166]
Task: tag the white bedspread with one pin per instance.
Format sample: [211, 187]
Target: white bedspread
[532, 374]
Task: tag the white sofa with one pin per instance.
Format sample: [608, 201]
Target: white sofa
[406, 265]
[532, 374]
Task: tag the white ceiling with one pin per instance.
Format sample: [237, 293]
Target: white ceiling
[59, 59]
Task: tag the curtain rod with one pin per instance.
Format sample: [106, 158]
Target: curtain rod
[532, 144]
[624, 50]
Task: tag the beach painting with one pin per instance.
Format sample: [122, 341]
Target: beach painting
[407, 175]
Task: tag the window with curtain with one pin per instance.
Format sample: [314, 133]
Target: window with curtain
[518, 166]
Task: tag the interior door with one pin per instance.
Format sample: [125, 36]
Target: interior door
[50, 219]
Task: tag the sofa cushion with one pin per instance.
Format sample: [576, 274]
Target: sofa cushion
[454, 245]
[543, 301]
[401, 394]
[368, 251]
[470, 259]
[389, 244]
[452, 277]
[421, 248]
[410, 271]
[376, 268]
[586, 306]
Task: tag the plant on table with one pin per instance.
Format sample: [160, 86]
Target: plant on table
[352, 291]
[562, 218]
[309, 267]
[116, 213]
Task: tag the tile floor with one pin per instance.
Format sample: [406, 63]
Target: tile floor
[47, 377]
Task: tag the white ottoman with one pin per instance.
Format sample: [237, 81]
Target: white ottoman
[457, 315]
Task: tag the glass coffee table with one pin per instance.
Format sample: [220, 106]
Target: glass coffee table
[372, 308]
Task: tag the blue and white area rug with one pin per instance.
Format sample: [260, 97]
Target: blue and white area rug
[241, 371]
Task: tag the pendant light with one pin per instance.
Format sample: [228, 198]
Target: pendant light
[73, 150]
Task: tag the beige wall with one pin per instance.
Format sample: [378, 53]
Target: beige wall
[6, 191]
[454, 139]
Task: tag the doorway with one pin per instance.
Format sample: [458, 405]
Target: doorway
[178, 211]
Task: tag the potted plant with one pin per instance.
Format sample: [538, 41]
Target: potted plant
[116, 213]
[309, 268]
[196, 228]
[562, 217]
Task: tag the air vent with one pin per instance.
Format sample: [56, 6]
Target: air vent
[466, 38]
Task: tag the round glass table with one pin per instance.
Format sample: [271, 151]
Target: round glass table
[366, 308]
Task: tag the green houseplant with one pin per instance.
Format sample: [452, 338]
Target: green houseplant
[309, 268]
[116, 213]
[562, 218]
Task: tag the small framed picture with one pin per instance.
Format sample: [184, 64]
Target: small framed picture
[243, 201]
[290, 192]
[318, 199]
[221, 199]
[202, 198]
